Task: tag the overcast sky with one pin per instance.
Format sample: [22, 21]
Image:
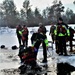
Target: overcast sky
[42, 4]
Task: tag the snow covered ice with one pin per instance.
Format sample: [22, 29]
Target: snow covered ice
[9, 60]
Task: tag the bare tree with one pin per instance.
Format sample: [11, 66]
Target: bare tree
[74, 2]
[57, 8]
[38, 16]
[10, 13]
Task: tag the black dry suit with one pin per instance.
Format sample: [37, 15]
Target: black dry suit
[30, 53]
[41, 38]
[61, 32]
[33, 38]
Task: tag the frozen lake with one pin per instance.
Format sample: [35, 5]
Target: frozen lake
[9, 58]
[8, 36]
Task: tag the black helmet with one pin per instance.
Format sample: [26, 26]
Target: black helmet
[60, 19]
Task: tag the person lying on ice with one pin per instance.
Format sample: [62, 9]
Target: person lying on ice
[29, 55]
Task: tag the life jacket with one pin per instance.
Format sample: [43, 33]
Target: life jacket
[40, 38]
[29, 54]
[61, 30]
[25, 31]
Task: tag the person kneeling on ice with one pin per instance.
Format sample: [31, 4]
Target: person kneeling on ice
[29, 60]
[29, 55]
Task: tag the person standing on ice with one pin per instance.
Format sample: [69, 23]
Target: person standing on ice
[71, 38]
[52, 28]
[25, 33]
[19, 28]
[42, 30]
[61, 32]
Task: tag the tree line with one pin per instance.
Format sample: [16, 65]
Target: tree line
[9, 16]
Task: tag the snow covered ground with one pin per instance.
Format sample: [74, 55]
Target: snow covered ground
[9, 58]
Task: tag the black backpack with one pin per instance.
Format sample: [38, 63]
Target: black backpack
[14, 47]
[2, 46]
